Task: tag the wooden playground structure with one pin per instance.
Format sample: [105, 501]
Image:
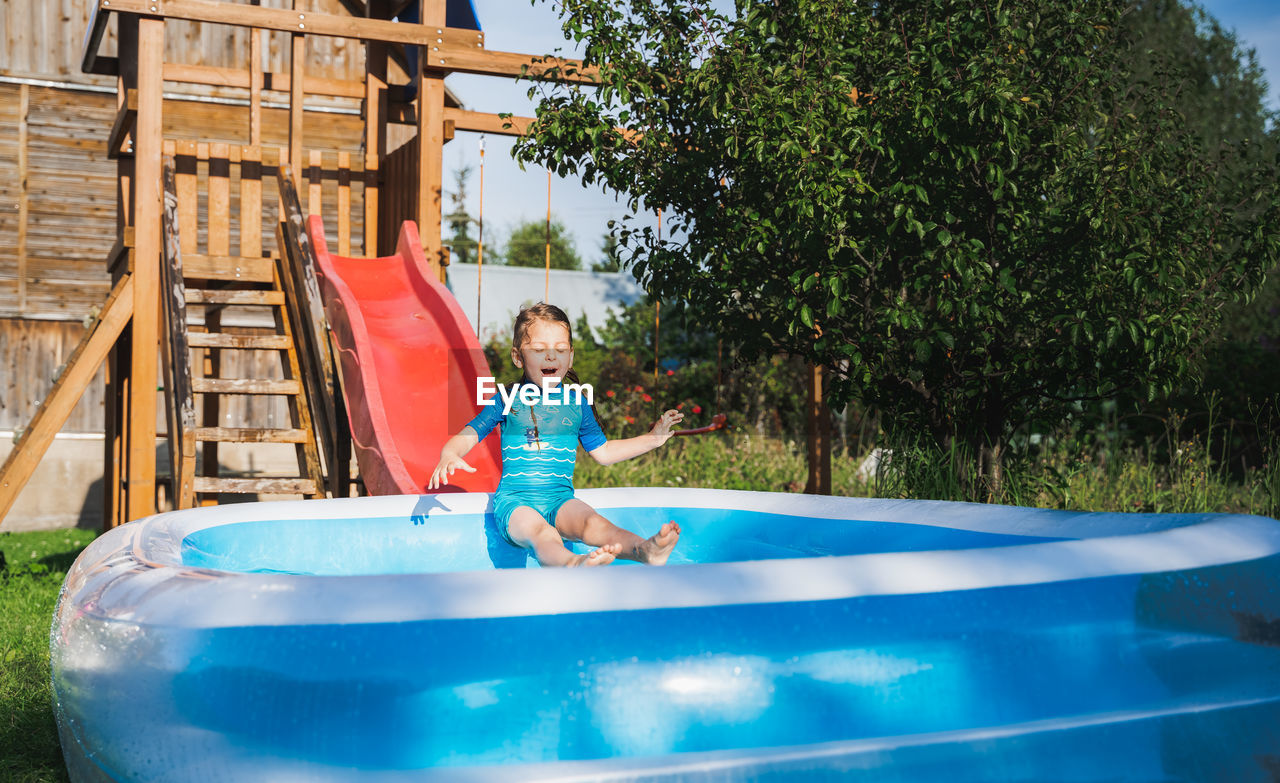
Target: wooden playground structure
[209, 260]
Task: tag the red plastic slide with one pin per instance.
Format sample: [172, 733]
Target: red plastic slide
[409, 361]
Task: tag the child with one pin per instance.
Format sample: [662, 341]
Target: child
[534, 505]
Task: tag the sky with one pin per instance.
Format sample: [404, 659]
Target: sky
[512, 196]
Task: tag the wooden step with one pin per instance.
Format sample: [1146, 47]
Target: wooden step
[208, 296]
[243, 342]
[250, 435]
[242, 268]
[244, 386]
[263, 486]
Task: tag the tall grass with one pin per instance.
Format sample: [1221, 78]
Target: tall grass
[1086, 472]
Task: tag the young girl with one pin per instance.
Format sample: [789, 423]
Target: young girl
[534, 505]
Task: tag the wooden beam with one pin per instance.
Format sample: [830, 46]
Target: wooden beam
[297, 71]
[482, 122]
[255, 88]
[214, 76]
[122, 128]
[75, 377]
[140, 470]
[491, 63]
[375, 133]
[431, 147]
[93, 38]
[299, 21]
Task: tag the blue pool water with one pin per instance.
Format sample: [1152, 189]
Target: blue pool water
[390, 545]
[786, 647]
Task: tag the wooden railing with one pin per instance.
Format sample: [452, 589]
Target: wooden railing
[306, 312]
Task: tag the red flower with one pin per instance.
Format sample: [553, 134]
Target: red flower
[647, 398]
[609, 393]
[697, 409]
[631, 420]
[671, 372]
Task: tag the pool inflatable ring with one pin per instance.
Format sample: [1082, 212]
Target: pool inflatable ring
[800, 637]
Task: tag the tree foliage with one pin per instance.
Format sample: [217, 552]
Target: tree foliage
[462, 247]
[975, 214]
[527, 246]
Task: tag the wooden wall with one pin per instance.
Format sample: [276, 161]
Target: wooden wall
[52, 263]
[43, 39]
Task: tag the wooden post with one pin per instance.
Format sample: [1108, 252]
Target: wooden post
[431, 143]
[255, 87]
[819, 420]
[375, 128]
[297, 73]
[140, 470]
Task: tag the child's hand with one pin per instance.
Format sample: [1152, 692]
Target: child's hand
[662, 428]
[448, 464]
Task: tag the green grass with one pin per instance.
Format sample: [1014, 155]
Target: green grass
[35, 565]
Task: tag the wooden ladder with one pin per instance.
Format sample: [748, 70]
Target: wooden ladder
[233, 402]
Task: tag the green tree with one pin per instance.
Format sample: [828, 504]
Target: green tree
[973, 214]
[527, 246]
[611, 260]
[461, 246]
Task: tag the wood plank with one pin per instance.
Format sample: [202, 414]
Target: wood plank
[299, 407]
[179, 400]
[118, 142]
[430, 172]
[262, 486]
[344, 203]
[255, 93]
[243, 268]
[218, 209]
[24, 108]
[297, 71]
[242, 342]
[315, 195]
[93, 38]
[141, 476]
[75, 377]
[223, 297]
[375, 134]
[492, 63]
[250, 435]
[313, 355]
[308, 22]
[216, 76]
[186, 185]
[483, 122]
[251, 200]
[245, 386]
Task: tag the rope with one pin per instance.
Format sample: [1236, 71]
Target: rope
[480, 240]
[546, 293]
[657, 310]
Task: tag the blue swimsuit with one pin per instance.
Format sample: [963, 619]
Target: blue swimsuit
[539, 450]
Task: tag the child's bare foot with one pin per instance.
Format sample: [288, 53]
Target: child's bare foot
[596, 557]
[657, 548]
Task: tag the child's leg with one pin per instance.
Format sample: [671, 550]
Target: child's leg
[528, 529]
[578, 521]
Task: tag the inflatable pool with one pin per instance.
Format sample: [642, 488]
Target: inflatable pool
[792, 637]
